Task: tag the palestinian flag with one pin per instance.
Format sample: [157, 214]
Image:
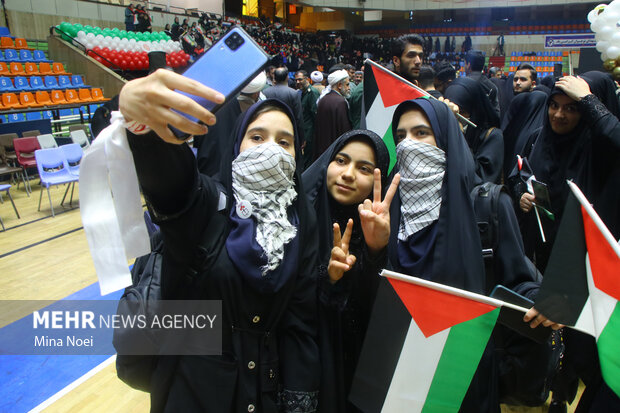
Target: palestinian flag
[383, 91]
[422, 348]
[581, 286]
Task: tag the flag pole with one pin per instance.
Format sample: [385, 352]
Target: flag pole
[424, 92]
[597, 220]
[451, 290]
[542, 233]
[461, 293]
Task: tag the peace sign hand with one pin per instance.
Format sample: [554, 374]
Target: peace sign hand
[340, 261]
[375, 215]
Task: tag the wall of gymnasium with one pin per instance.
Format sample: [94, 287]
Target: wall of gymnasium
[32, 19]
[407, 5]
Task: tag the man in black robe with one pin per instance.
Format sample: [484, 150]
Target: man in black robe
[332, 115]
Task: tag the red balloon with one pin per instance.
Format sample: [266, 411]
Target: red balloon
[123, 63]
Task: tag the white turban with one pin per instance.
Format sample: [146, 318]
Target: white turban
[337, 76]
[316, 76]
[332, 80]
[256, 85]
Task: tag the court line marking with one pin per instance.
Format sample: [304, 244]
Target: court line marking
[40, 242]
[73, 385]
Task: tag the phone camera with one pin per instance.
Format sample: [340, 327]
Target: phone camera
[234, 41]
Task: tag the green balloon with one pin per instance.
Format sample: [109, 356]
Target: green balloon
[617, 72]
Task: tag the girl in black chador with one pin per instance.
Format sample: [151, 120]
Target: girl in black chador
[344, 186]
[265, 271]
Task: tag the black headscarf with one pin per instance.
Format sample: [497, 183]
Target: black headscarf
[602, 85]
[299, 213]
[580, 155]
[449, 250]
[525, 115]
[327, 209]
[470, 96]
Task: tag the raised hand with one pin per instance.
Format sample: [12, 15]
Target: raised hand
[340, 260]
[375, 214]
[149, 101]
[574, 86]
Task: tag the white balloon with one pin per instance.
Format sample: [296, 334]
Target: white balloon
[591, 16]
[90, 36]
[606, 33]
[615, 39]
[597, 25]
[613, 52]
[602, 46]
[604, 56]
[132, 41]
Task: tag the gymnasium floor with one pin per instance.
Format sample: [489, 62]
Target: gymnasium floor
[45, 258]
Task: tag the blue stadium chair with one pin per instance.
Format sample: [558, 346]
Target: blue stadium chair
[51, 82]
[2, 59]
[16, 117]
[84, 110]
[47, 114]
[25, 55]
[64, 82]
[4, 32]
[6, 84]
[36, 83]
[77, 82]
[33, 116]
[11, 55]
[39, 56]
[21, 83]
[93, 108]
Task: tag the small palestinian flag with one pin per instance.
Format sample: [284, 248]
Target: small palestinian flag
[422, 348]
[581, 286]
[383, 91]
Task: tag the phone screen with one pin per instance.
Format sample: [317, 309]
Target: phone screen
[542, 195]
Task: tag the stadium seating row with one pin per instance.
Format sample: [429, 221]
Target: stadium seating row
[31, 68]
[49, 114]
[23, 55]
[42, 98]
[34, 83]
[19, 43]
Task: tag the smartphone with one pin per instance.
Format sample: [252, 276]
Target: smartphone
[513, 319]
[228, 65]
[541, 192]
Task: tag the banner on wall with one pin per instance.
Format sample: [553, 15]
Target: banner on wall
[573, 41]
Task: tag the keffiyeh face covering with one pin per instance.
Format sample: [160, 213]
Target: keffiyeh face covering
[262, 176]
[422, 167]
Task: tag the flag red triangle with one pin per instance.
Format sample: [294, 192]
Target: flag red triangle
[435, 311]
[604, 262]
[393, 91]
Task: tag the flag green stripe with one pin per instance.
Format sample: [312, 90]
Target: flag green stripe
[609, 353]
[389, 142]
[458, 363]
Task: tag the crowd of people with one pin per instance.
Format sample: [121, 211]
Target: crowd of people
[298, 276]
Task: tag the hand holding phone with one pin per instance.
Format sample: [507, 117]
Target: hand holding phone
[149, 100]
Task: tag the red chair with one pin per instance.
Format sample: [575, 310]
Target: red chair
[24, 149]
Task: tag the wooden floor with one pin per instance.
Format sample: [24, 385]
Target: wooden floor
[47, 258]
